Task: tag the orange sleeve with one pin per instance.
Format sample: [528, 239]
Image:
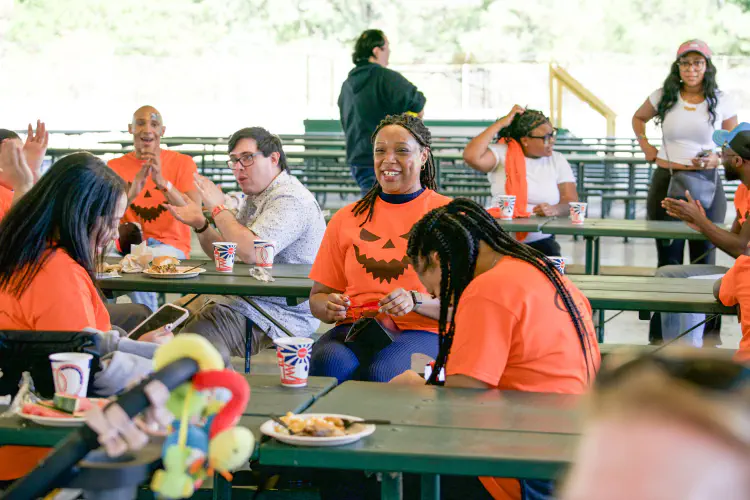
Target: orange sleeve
[63, 302]
[184, 181]
[481, 344]
[328, 268]
[728, 290]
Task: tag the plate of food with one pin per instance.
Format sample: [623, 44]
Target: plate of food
[62, 411]
[169, 267]
[317, 429]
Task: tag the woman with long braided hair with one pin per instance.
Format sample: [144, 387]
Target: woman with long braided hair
[516, 154]
[362, 260]
[508, 319]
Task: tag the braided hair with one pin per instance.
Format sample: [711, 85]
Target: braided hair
[522, 125]
[454, 232]
[422, 135]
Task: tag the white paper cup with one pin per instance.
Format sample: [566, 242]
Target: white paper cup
[559, 263]
[577, 212]
[293, 356]
[224, 254]
[506, 203]
[70, 372]
[264, 253]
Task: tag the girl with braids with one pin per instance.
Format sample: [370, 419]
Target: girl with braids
[363, 258]
[517, 323]
[688, 108]
[522, 163]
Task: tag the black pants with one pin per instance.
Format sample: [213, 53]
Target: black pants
[672, 252]
[548, 246]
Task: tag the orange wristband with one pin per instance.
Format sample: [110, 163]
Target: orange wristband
[218, 209]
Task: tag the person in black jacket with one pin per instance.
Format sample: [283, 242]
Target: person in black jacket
[370, 92]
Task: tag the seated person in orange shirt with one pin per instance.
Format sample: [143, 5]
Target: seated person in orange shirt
[363, 258]
[156, 176]
[14, 183]
[733, 289]
[49, 246]
[518, 324]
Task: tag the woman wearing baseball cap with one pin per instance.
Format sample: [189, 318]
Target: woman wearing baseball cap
[688, 109]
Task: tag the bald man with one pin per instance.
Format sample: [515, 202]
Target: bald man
[156, 176]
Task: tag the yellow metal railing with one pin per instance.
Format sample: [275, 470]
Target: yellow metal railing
[559, 79]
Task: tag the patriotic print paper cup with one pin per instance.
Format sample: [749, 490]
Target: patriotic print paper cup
[224, 253]
[264, 253]
[293, 356]
[559, 263]
[577, 212]
[506, 203]
[70, 373]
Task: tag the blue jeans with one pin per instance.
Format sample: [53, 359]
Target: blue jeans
[365, 177]
[151, 299]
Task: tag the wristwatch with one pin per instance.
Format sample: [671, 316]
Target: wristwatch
[416, 298]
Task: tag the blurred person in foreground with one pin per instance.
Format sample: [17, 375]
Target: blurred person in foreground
[369, 94]
[667, 426]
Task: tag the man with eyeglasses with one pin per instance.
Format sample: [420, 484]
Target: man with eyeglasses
[735, 157]
[276, 207]
[155, 176]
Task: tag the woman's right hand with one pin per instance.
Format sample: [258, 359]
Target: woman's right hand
[650, 152]
[516, 110]
[336, 306]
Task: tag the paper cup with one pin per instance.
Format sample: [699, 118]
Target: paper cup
[264, 253]
[559, 263]
[293, 356]
[70, 372]
[224, 253]
[577, 212]
[506, 203]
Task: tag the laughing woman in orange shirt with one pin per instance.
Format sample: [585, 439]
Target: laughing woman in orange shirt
[518, 324]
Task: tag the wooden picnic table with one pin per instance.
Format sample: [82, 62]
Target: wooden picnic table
[439, 430]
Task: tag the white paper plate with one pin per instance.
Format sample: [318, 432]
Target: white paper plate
[354, 434]
[54, 422]
[179, 275]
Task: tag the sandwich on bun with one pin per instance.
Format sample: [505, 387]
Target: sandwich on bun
[164, 265]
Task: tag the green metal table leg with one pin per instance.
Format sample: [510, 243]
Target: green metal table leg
[430, 487]
[222, 488]
[597, 256]
[392, 486]
[589, 255]
[600, 328]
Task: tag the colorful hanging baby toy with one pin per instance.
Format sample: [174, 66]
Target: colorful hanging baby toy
[204, 437]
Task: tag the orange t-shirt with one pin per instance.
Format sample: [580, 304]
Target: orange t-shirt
[147, 208]
[61, 297]
[513, 332]
[6, 199]
[742, 203]
[735, 289]
[369, 262]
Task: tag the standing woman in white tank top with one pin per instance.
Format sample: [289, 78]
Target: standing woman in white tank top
[688, 108]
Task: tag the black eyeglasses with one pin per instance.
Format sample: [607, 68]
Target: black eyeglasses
[547, 138]
[246, 160]
[709, 373]
[685, 64]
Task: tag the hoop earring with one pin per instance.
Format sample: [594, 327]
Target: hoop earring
[423, 166]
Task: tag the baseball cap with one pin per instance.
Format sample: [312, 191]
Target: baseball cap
[738, 139]
[695, 46]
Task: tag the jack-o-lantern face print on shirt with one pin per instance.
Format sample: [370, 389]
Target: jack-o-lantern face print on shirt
[149, 213]
[383, 258]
